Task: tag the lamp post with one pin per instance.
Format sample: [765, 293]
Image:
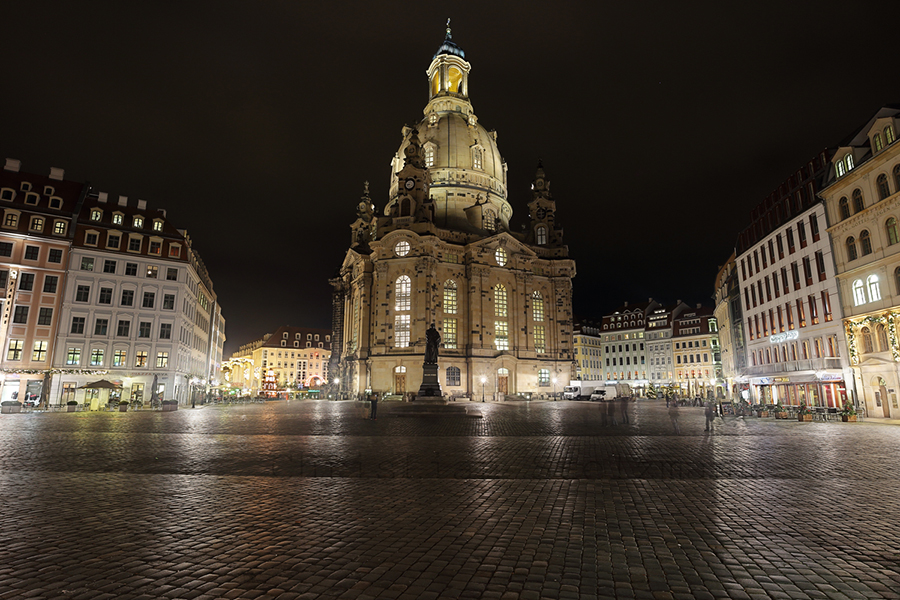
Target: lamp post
[554, 389]
[337, 382]
[483, 381]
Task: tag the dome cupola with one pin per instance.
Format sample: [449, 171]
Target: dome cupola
[465, 168]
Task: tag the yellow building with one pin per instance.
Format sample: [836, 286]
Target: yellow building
[297, 356]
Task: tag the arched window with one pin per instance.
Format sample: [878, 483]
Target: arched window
[840, 169]
[405, 208]
[882, 338]
[897, 176]
[851, 248]
[402, 291]
[893, 235]
[849, 160]
[889, 134]
[500, 306]
[450, 297]
[540, 234]
[859, 293]
[453, 376]
[884, 190]
[865, 242]
[876, 143]
[857, 201]
[537, 305]
[867, 340]
[845, 209]
[429, 156]
[874, 288]
[897, 279]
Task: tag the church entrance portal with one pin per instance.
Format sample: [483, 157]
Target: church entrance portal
[503, 381]
[400, 380]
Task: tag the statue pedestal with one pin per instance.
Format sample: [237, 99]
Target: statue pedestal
[430, 390]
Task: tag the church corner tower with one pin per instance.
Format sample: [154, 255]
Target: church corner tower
[441, 252]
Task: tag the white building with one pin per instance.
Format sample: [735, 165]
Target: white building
[138, 306]
[658, 337]
[792, 313]
[863, 206]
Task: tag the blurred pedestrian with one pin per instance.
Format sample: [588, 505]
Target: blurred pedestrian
[673, 416]
[710, 414]
[373, 415]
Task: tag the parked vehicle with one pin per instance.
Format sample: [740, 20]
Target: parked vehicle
[579, 390]
[604, 393]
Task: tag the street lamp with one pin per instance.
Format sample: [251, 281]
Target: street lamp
[483, 381]
[337, 381]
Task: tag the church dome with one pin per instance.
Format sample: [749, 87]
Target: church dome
[463, 161]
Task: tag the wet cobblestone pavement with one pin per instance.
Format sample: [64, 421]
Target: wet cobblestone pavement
[310, 500]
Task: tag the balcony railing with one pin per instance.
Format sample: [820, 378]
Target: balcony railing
[812, 364]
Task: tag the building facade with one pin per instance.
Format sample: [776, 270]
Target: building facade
[35, 237]
[138, 308]
[698, 365]
[863, 204]
[729, 319]
[792, 315]
[588, 351]
[625, 357]
[442, 252]
[659, 333]
[296, 357]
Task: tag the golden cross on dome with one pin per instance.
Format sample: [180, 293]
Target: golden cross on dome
[448, 30]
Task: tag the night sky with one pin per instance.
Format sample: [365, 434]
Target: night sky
[660, 124]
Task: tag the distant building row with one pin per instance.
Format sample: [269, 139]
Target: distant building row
[95, 288]
[806, 308]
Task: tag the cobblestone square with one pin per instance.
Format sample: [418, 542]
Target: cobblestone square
[307, 499]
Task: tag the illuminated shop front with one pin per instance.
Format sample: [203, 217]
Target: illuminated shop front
[827, 390]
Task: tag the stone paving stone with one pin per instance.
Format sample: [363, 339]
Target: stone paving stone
[306, 500]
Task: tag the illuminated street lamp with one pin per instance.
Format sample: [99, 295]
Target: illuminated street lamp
[483, 381]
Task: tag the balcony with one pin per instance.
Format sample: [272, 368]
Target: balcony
[812, 364]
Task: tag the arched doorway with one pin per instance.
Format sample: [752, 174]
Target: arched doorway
[400, 380]
[503, 381]
[881, 397]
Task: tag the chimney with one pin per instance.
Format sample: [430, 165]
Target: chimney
[102, 197]
[57, 173]
[142, 205]
[13, 165]
[626, 304]
[161, 211]
[699, 305]
[123, 200]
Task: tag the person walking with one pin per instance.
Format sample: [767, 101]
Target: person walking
[373, 415]
[673, 415]
[710, 414]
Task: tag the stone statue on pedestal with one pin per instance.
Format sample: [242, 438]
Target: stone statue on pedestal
[432, 342]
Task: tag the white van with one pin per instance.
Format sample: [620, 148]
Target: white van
[604, 393]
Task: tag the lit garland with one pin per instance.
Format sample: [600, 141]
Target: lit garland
[888, 319]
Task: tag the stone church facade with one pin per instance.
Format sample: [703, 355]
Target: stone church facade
[442, 252]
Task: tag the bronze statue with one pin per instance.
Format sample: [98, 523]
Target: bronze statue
[432, 341]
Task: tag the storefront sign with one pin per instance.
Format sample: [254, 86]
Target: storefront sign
[783, 337]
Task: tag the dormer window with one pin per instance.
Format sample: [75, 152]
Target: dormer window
[840, 169]
[48, 190]
[477, 158]
[157, 225]
[31, 198]
[889, 134]
[118, 218]
[849, 160]
[25, 186]
[433, 119]
[138, 222]
[876, 143]
[56, 203]
[96, 214]
[7, 194]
